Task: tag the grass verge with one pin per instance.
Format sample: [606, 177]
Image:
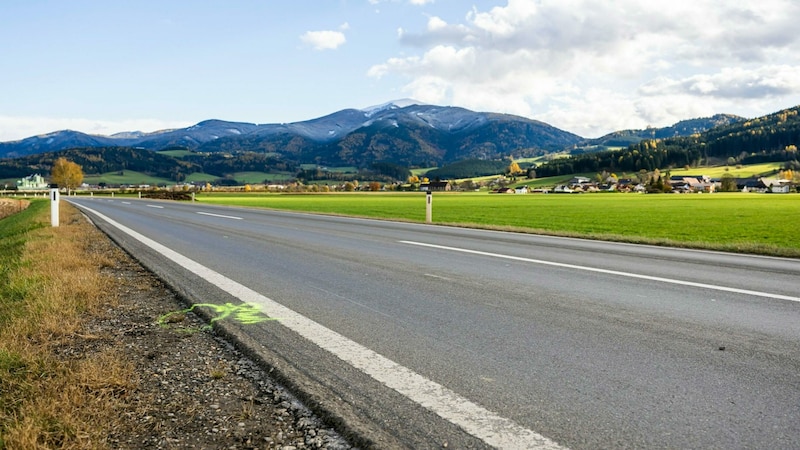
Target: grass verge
[51, 397]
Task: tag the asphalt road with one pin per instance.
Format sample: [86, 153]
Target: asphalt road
[423, 335]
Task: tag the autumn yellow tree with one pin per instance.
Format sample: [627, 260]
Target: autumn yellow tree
[513, 168]
[66, 174]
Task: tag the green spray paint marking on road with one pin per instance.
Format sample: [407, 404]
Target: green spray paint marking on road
[246, 314]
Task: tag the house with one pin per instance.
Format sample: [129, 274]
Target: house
[607, 187]
[32, 183]
[436, 186]
[578, 181]
[503, 190]
[776, 185]
[521, 190]
[562, 189]
[750, 185]
[692, 184]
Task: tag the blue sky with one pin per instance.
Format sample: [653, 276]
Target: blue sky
[586, 66]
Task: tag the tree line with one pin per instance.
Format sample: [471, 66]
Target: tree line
[767, 139]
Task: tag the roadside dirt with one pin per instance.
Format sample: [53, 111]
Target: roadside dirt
[193, 390]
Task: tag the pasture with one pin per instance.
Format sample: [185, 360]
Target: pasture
[748, 223]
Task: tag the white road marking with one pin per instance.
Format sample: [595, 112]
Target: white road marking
[155, 206]
[608, 272]
[219, 215]
[476, 420]
[430, 275]
[126, 203]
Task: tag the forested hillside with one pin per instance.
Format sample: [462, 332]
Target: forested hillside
[624, 138]
[97, 160]
[766, 139]
[113, 159]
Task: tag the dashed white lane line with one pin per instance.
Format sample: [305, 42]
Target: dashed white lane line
[219, 215]
[608, 272]
[155, 206]
[476, 420]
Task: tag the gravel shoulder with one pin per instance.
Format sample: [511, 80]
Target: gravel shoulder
[193, 389]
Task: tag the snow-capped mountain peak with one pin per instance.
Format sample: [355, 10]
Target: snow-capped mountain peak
[394, 104]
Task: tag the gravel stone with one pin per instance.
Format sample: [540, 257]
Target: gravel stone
[193, 389]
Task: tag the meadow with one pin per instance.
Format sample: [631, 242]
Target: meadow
[748, 223]
[132, 177]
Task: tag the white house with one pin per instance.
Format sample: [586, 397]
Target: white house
[32, 183]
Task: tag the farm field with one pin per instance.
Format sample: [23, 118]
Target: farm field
[747, 171]
[128, 177]
[748, 223]
[136, 178]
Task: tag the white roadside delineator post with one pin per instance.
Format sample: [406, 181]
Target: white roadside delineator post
[429, 207]
[54, 205]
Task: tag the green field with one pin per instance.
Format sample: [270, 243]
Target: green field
[752, 170]
[176, 153]
[750, 223]
[130, 177]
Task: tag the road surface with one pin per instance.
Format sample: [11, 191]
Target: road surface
[422, 336]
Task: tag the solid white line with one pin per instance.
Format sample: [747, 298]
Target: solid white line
[219, 215]
[155, 206]
[608, 272]
[476, 420]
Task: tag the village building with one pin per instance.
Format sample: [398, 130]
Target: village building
[695, 183]
[32, 183]
[764, 185]
[436, 186]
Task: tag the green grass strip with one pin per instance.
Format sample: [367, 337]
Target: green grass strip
[745, 223]
[14, 231]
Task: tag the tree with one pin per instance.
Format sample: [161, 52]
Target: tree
[66, 174]
[728, 183]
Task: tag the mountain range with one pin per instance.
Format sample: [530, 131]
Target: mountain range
[388, 138]
[403, 132]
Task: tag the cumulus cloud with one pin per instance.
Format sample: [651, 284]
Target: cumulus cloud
[326, 39]
[732, 83]
[591, 66]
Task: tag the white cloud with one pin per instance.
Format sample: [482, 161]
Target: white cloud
[16, 128]
[324, 40]
[732, 83]
[591, 67]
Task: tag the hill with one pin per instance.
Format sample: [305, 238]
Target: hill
[624, 138]
[771, 138]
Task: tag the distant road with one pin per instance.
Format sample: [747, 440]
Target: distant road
[418, 335]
